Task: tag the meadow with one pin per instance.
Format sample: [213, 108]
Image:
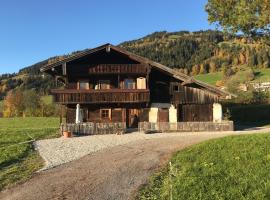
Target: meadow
[18, 159]
[261, 75]
[210, 78]
[234, 167]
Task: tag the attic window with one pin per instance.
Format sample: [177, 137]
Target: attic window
[108, 49]
[176, 88]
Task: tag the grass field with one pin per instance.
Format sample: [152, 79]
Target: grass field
[261, 75]
[235, 167]
[210, 78]
[18, 160]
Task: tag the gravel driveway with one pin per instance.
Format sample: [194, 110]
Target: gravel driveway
[113, 173]
[62, 150]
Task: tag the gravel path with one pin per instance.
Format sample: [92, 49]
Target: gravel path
[62, 150]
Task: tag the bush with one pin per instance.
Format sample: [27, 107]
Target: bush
[253, 113]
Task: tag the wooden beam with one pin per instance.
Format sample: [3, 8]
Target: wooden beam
[108, 49]
[64, 69]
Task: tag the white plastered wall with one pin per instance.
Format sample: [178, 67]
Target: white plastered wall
[172, 114]
[153, 115]
[217, 112]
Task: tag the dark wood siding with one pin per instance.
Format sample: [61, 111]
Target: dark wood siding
[94, 115]
[159, 85]
[144, 115]
[117, 115]
[71, 115]
[190, 95]
[163, 115]
[196, 112]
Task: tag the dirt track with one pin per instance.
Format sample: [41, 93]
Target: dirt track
[115, 173]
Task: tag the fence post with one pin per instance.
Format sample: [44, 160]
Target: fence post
[171, 187]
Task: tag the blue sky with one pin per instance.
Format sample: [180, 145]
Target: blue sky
[33, 30]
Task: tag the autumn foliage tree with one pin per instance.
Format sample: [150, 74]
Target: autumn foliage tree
[28, 103]
[249, 17]
[18, 103]
[13, 104]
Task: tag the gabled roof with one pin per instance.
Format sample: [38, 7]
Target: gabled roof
[187, 80]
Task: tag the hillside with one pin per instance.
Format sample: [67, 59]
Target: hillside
[261, 75]
[190, 52]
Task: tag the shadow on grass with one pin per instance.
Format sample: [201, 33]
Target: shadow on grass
[258, 74]
[239, 126]
[13, 160]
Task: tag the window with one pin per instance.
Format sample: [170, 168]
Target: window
[129, 84]
[105, 113]
[104, 84]
[83, 85]
[141, 83]
[176, 88]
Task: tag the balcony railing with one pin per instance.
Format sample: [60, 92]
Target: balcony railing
[69, 96]
[118, 69]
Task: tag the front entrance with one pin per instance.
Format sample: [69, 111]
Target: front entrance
[163, 115]
[132, 118]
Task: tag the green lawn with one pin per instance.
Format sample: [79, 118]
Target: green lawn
[19, 160]
[210, 78]
[234, 167]
[29, 122]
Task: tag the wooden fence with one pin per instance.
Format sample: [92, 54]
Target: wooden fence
[91, 128]
[186, 126]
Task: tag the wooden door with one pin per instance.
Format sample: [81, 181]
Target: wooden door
[132, 118]
[197, 112]
[163, 115]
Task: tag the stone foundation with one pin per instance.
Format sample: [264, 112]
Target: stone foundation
[186, 126]
[91, 128]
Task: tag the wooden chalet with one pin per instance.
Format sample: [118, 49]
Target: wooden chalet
[112, 85]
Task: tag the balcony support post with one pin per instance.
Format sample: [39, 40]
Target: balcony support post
[78, 114]
[118, 81]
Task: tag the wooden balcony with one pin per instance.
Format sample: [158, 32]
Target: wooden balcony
[118, 69]
[69, 96]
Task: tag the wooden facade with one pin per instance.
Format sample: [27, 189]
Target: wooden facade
[112, 85]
